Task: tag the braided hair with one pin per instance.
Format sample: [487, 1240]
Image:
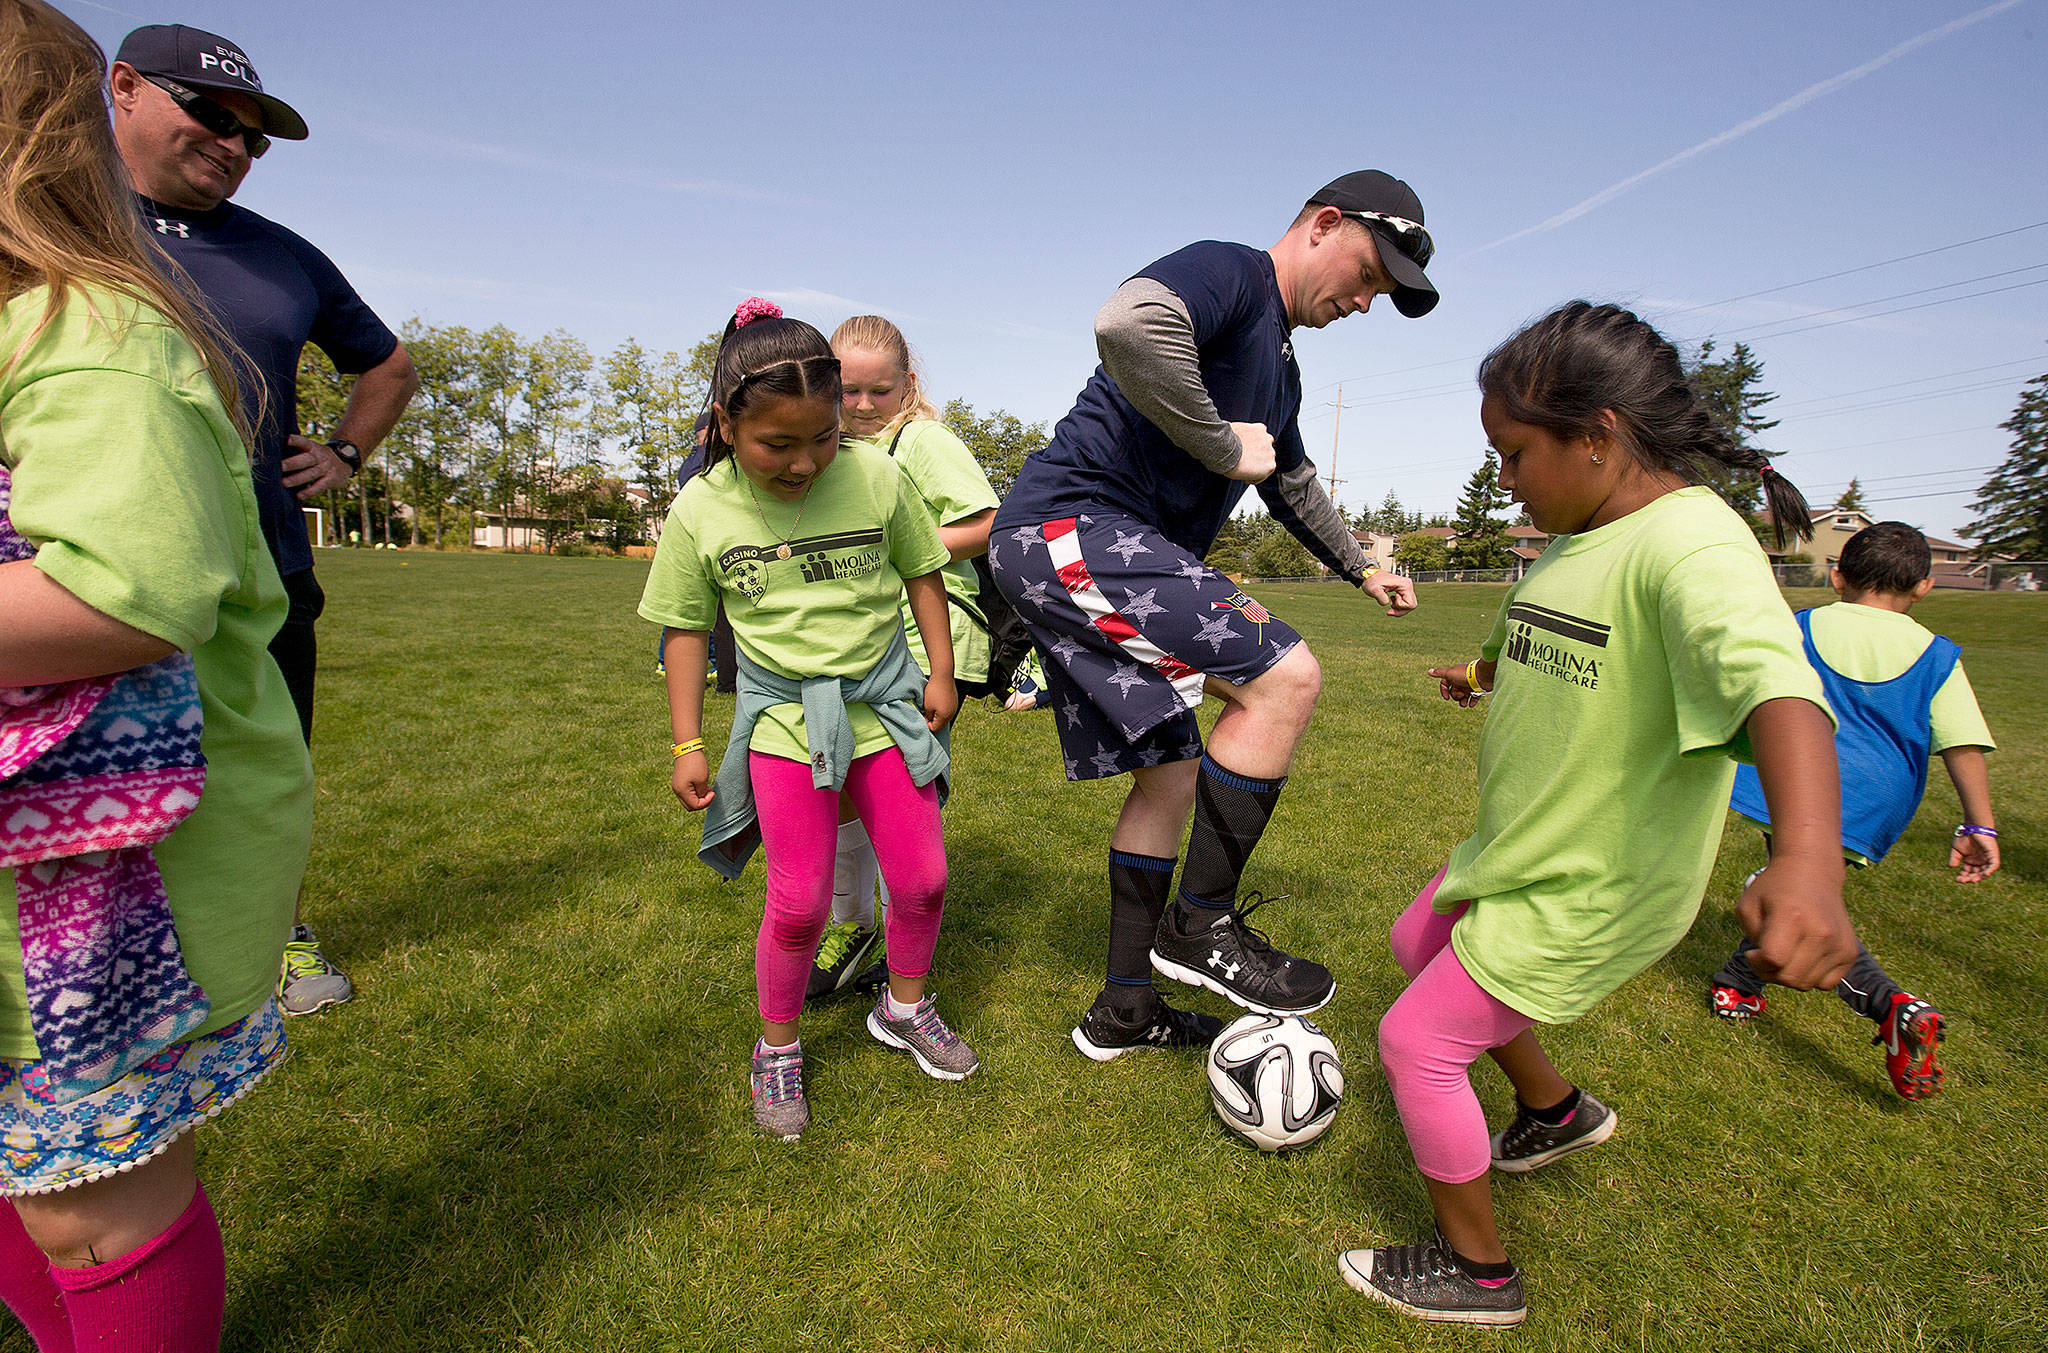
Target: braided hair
[1580, 361]
[763, 354]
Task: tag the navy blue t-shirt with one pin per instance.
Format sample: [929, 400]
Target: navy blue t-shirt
[272, 292]
[1107, 455]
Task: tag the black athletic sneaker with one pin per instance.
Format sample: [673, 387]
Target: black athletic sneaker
[1425, 1281]
[1104, 1033]
[1529, 1143]
[1235, 961]
[845, 948]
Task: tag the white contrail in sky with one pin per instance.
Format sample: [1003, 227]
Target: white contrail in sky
[1797, 101]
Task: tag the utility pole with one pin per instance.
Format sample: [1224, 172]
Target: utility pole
[1334, 435]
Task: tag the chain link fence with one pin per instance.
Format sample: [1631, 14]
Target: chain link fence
[1997, 576]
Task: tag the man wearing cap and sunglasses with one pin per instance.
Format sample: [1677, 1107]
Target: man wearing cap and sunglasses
[1099, 546]
[190, 117]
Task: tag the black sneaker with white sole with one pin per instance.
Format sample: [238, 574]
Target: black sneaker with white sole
[1104, 1032]
[1235, 961]
[1426, 1281]
[1529, 1143]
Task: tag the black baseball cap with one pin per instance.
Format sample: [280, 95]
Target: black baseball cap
[193, 56]
[1390, 209]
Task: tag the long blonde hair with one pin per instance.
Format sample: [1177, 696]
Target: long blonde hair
[878, 335]
[67, 219]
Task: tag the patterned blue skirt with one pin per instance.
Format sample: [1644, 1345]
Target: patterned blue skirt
[45, 1147]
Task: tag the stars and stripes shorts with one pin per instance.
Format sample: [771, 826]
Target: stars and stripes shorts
[1129, 624]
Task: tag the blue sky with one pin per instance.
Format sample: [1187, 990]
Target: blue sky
[987, 175]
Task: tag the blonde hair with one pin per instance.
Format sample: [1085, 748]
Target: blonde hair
[878, 335]
[67, 218]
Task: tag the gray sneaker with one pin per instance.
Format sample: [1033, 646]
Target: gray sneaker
[780, 1109]
[1527, 1144]
[1425, 1281]
[309, 982]
[940, 1051]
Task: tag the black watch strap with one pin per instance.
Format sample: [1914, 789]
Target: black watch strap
[351, 454]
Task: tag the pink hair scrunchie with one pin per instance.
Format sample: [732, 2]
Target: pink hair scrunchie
[754, 308]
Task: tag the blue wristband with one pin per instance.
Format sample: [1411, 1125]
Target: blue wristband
[1972, 829]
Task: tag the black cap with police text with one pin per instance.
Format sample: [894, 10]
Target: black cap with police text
[193, 56]
[1403, 251]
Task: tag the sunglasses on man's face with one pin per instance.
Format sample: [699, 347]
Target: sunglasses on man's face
[1409, 236]
[212, 116]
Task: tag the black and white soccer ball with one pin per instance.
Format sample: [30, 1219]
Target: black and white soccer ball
[1275, 1080]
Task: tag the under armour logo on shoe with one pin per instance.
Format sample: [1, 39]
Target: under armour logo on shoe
[1229, 970]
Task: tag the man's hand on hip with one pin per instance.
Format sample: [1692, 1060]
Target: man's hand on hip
[311, 468]
[1255, 454]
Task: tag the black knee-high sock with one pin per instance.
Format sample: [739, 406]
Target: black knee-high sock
[1231, 812]
[1138, 888]
[1866, 988]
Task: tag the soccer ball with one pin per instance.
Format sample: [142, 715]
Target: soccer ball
[1275, 1080]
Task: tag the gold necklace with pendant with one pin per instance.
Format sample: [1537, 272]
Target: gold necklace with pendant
[782, 550]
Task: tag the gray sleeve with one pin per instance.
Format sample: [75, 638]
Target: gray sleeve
[1316, 516]
[1147, 342]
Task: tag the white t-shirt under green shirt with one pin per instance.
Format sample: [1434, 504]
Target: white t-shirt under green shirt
[811, 587]
[1629, 659]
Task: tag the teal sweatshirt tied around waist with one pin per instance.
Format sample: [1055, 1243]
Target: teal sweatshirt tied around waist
[894, 689]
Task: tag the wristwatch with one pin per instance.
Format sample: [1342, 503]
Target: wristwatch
[350, 454]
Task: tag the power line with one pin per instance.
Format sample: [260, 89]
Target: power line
[1881, 300]
[1829, 277]
[1917, 380]
[1889, 441]
[1924, 305]
[1977, 388]
[1768, 291]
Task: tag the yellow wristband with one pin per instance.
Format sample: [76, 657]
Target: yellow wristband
[680, 750]
[1472, 676]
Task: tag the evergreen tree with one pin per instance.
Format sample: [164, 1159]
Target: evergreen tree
[2012, 507]
[1482, 537]
[1851, 499]
[1392, 518]
[1729, 389]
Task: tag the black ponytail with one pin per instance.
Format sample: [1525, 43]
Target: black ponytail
[1580, 361]
[769, 355]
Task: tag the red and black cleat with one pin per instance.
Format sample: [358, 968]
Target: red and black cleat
[1732, 1004]
[1911, 1035]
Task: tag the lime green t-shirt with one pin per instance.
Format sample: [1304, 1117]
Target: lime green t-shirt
[811, 588]
[130, 480]
[950, 480]
[1629, 659]
[1867, 643]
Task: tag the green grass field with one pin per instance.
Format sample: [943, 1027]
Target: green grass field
[530, 1130]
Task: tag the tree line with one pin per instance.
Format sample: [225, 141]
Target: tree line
[544, 432]
[580, 450]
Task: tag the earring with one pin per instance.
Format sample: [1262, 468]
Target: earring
[1599, 460]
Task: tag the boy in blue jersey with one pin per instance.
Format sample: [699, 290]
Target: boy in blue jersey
[1899, 694]
[1099, 546]
[190, 118]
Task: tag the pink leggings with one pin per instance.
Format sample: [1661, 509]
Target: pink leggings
[1429, 1039]
[799, 835]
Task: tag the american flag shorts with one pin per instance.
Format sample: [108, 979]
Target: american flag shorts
[1129, 624]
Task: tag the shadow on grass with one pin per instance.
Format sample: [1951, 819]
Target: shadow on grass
[446, 1242]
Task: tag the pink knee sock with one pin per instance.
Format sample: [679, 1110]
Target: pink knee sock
[167, 1297]
[28, 1288]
